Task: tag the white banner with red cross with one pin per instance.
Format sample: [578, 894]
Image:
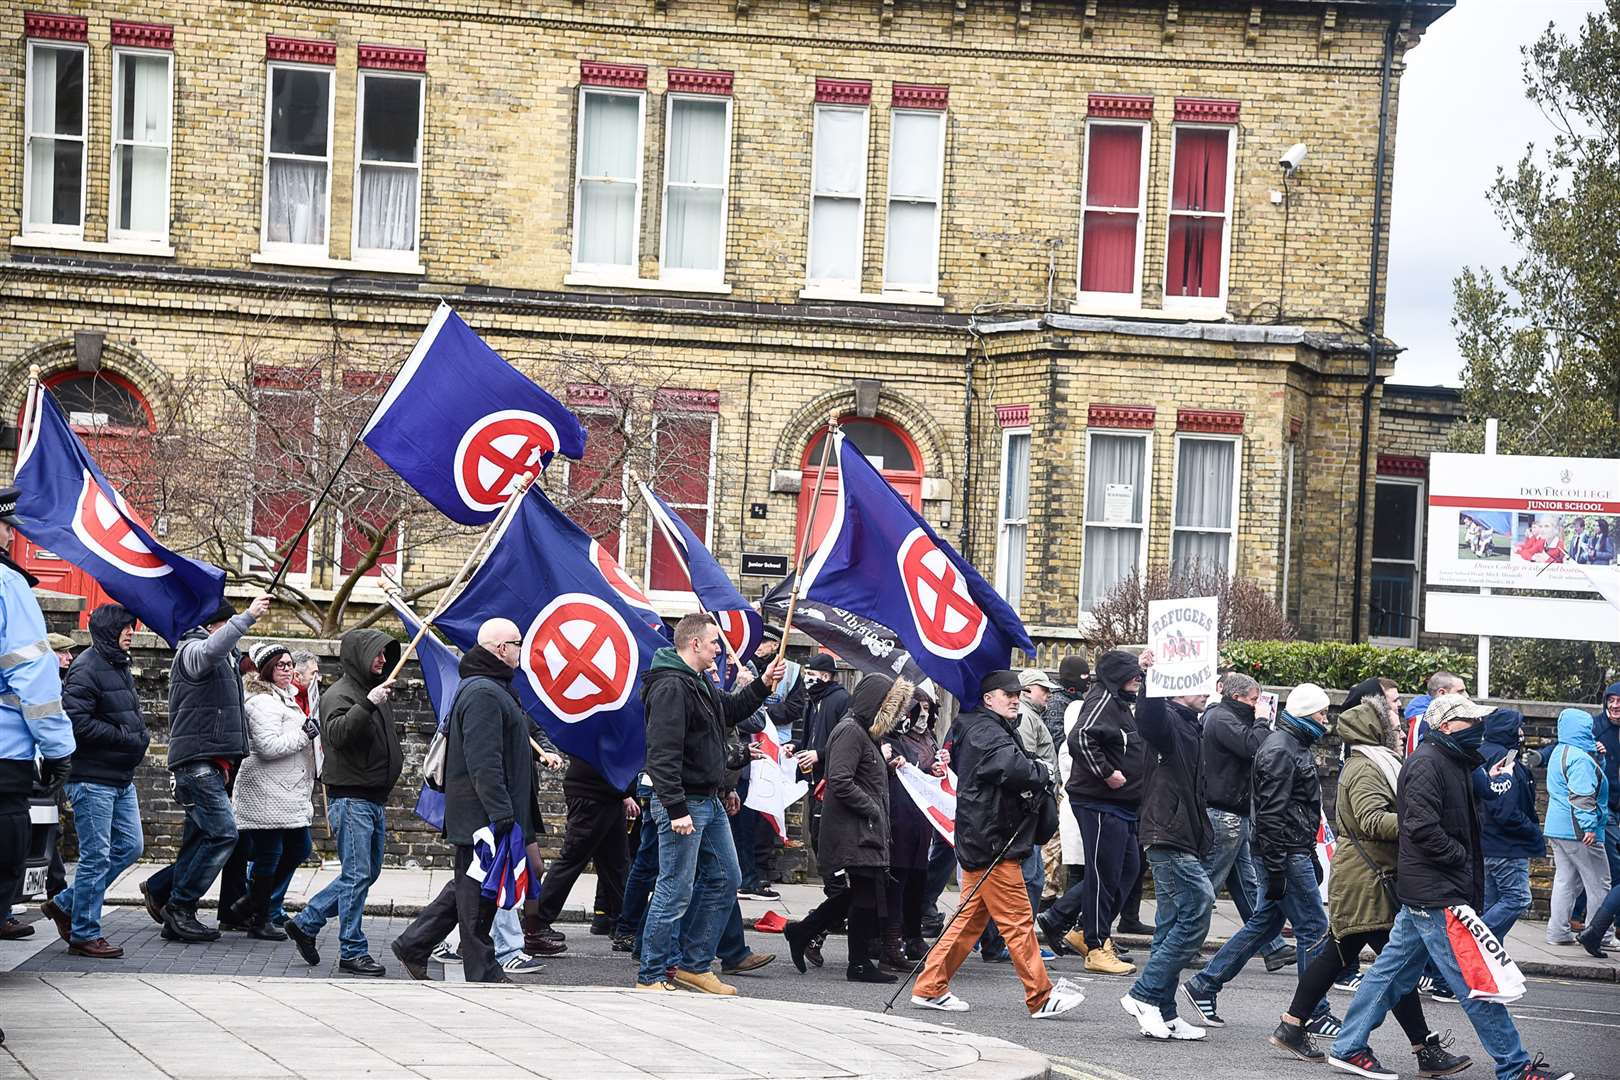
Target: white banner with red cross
[935, 796]
[773, 780]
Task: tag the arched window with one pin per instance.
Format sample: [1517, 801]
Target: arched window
[886, 445]
[100, 399]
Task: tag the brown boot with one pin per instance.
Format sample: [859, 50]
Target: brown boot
[893, 955]
[99, 949]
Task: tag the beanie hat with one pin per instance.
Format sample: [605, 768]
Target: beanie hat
[1306, 699]
[1073, 671]
[264, 654]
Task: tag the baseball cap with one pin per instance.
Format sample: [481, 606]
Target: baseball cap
[1000, 680]
[1035, 677]
[821, 662]
[1454, 707]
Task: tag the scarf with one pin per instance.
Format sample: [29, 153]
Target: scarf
[1387, 761]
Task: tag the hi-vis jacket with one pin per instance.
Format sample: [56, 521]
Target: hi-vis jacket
[31, 714]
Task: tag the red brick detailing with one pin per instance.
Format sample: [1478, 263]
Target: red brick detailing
[1120, 416]
[142, 35]
[843, 92]
[56, 27]
[1209, 421]
[588, 394]
[392, 58]
[1403, 465]
[299, 51]
[1295, 426]
[691, 81]
[1206, 110]
[1119, 107]
[918, 96]
[1013, 415]
[623, 76]
[690, 401]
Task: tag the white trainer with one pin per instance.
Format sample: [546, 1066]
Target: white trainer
[1148, 1017]
[946, 1002]
[1065, 996]
[1180, 1029]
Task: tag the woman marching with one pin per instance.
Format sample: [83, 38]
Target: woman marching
[909, 836]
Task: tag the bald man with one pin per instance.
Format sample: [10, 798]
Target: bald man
[488, 783]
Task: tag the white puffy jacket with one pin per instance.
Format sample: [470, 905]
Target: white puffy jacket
[277, 777]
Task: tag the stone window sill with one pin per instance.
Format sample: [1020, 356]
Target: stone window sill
[98, 247]
[850, 296]
[322, 262]
[592, 279]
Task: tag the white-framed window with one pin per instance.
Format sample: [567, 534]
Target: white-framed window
[607, 197]
[697, 175]
[1205, 516]
[916, 176]
[1398, 504]
[57, 105]
[1118, 495]
[1012, 528]
[282, 438]
[683, 450]
[388, 165]
[838, 196]
[1199, 241]
[297, 158]
[1112, 210]
[142, 119]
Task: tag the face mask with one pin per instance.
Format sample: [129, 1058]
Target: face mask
[1469, 738]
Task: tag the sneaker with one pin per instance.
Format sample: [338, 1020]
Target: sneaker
[1049, 934]
[1281, 958]
[946, 1002]
[1348, 986]
[1295, 1040]
[1047, 954]
[1148, 1017]
[760, 892]
[1326, 1026]
[624, 943]
[1204, 1003]
[1433, 1059]
[1443, 995]
[1362, 1063]
[1180, 1029]
[704, 982]
[1540, 1070]
[1425, 984]
[1103, 961]
[522, 964]
[443, 953]
[1064, 997]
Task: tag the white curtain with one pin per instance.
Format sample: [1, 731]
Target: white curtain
[612, 140]
[1206, 550]
[1115, 459]
[145, 115]
[692, 231]
[1014, 518]
[143, 170]
[695, 173]
[697, 142]
[387, 208]
[1015, 499]
[910, 260]
[835, 240]
[1109, 557]
[1111, 552]
[607, 207]
[840, 151]
[914, 155]
[56, 167]
[1014, 539]
[1205, 481]
[607, 224]
[297, 213]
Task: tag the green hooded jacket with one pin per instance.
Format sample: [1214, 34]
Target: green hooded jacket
[1364, 814]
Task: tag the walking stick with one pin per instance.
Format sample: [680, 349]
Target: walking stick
[962, 906]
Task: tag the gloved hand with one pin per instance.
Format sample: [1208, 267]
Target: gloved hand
[53, 773]
[380, 693]
[312, 729]
[502, 825]
[1276, 885]
[1316, 865]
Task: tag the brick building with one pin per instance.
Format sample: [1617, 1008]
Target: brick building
[1040, 257]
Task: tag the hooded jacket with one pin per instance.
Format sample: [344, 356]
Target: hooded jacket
[996, 781]
[1034, 736]
[1365, 814]
[206, 721]
[1287, 795]
[1105, 740]
[1231, 738]
[1509, 828]
[1173, 798]
[360, 740]
[824, 705]
[278, 775]
[855, 813]
[488, 766]
[1608, 736]
[687, 721]
[1577, 789]
[1440, 862]
[98, 692]
[910, 832]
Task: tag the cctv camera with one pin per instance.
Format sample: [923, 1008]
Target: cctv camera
[1290, 161]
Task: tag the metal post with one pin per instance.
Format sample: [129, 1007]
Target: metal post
[1484, 661]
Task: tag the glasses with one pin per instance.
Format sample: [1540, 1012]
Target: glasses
[515, 644]
[285, 665]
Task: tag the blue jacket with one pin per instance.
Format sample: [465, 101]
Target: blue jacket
[32, 720]
[1608, 736]
[1507, 824]
[1577, 790]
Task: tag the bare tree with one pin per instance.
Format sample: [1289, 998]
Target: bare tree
[1247, 612]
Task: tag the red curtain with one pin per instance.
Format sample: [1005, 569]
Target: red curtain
[683, 477]
[1194, 264]
[1114, 166]
[1199, 184]
[664, 568]
[1113, 179]
[1200, 179]
[1108, 252]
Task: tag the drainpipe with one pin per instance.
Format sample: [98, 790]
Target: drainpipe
[1372, 324]
[964, 540]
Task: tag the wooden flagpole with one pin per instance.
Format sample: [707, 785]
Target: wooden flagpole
[809, 527]
[670, 540]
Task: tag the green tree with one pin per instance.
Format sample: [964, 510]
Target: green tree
[1541, 338]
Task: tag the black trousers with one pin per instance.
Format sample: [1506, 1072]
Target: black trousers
[15, 832]
[862, 903]
[594, 832]
[1111, 867]
[906, 891]
[460, 903]
[1340, 953]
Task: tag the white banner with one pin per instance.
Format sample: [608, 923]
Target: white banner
[773, 781]
[935, 796]
[1183, 636]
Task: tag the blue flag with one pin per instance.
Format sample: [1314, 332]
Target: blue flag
[713, 589]
[463, 427]
[880, 559]
[584, 648]
[69, 507]
[440, 667]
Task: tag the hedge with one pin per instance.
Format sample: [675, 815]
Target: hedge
[1337, 665]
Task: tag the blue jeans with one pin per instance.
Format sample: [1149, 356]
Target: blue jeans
[1231, 863]
[1507, 894]
[1611, 849]
[507, 933]
[1603, 919]
[361, 829]
[698, 870]
[1419, 936]
[1185, 901]
[1301, 905]
[107, 821]
[642, 875]
[208, 838]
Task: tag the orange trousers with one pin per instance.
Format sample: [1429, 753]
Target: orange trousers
[1003, 898]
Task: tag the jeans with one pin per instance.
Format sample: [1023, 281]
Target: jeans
[1418, 936]
[361, 828]
[1231, 863]
[1507, 894]
[207, 840]
[507, 933]
[941, 869]
[699, 870]
[107, 821]
[1185, 901]
[643, 873]
[1603, 918]
[1611, 848]
[1576, 867]
[1301, 904]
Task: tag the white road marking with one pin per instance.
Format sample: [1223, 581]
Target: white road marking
[1085, 1070]
[1555, 1020]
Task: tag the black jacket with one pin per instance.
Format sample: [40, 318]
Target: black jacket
[910, 833]
[824, 705]
[582, 781]
[996, 783]
[855, 814]
[1232, 737]
[1287, 796]
[99, 695]
[1441, 861]
[488, 766]
[1105, 739]
[360, 740]
[1172, 814]
[687, 721]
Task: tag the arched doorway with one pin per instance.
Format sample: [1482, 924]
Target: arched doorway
[111, 415]
[886, 445]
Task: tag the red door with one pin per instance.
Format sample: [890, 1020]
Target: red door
[884, 444]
